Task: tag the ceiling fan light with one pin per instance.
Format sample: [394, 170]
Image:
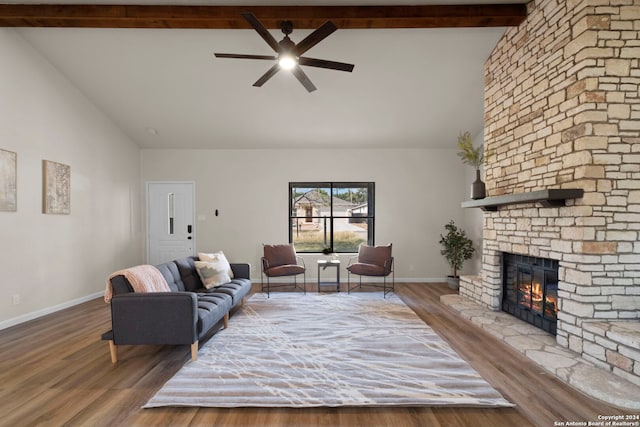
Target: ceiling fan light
[287, 62]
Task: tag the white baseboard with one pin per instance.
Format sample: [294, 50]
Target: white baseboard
[35, 314]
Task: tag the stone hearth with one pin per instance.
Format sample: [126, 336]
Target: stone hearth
[540, 347]
[562, 110]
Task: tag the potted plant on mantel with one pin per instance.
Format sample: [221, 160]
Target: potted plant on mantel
[457, 248]
[476, 157]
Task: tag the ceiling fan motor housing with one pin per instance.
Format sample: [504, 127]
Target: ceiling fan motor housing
[286, 27]
[286, 44]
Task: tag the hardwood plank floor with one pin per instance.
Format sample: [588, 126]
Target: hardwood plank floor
[56, 371]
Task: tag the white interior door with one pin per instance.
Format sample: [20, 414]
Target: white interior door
[170, 221]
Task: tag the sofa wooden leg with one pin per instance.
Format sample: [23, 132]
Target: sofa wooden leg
[194, 351]
[244, 301]
[114, 352]
[225, 320]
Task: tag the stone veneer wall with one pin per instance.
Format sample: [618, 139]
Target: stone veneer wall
[562, 110]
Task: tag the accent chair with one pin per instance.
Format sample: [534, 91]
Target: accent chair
[282, 261]
[373, 261]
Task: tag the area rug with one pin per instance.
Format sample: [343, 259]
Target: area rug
[294, 350]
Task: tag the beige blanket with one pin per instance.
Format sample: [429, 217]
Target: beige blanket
[143, 278]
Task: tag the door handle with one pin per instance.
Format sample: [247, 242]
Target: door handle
[189, 228]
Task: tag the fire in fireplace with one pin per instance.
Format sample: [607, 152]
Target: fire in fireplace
[530, 289]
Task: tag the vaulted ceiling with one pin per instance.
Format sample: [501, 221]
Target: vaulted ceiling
[411, 87]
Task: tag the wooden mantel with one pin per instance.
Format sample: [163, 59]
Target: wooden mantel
[547, 198]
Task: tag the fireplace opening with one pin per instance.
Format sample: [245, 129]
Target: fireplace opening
[530, 290]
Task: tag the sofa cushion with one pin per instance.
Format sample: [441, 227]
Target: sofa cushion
[236, 289]
[211, 308]
[212, 274]
[189, 274]
[171, 274]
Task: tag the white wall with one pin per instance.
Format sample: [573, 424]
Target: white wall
[417, 193]
[52, 261]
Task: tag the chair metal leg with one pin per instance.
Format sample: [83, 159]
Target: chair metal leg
[392, 288]
[385, 289]
[393, 280]
[262, 282]
[349, 287]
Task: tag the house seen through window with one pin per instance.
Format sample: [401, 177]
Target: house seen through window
[331, 216]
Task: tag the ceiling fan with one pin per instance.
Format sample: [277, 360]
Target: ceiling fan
[289, 54]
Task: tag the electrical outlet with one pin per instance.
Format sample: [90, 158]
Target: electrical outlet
[16, 299]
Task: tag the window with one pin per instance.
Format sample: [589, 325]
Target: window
[336, 216]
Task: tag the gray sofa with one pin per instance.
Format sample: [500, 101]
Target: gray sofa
[183, 316]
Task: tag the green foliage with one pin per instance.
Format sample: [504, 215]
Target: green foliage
[353, 195]
[470, 155]
[457, 247]
[343, 241]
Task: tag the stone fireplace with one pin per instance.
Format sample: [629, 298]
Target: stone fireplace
[562, 111]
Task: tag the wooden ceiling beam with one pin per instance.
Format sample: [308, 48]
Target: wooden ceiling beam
[228, 17]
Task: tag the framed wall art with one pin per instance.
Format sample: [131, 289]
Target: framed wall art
[8, 181]
[56, 188]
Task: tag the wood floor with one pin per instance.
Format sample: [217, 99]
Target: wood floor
[56, 371]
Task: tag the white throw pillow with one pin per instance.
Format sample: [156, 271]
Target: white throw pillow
[217, 257]
[212, 274]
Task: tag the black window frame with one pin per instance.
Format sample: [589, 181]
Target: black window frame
[331, 185]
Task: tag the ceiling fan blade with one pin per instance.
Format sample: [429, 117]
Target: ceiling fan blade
[264, 33]
[266, 76]
[241, 56]
[302, 78]
[323, 63]
[314, 38]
